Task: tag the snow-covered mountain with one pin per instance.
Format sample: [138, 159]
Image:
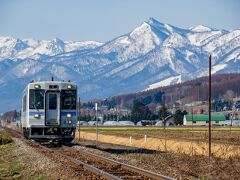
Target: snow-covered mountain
[153, 54]
[11, 48]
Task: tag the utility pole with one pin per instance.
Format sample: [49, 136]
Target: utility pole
[233, 114]
[117, 113]
[209, 107]
[96, 124]
[79, 114]
[164, 123]
[192, 125]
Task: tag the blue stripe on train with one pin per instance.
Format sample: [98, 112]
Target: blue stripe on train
[62, 113]
[37, 112]
[65, 113]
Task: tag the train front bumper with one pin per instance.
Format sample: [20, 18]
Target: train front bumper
[51, 133]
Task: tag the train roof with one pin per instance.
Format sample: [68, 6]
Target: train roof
[41, 83]
[51, 82]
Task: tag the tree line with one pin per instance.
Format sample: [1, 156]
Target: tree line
[140, 111]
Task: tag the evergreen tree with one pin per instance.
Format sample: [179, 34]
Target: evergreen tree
[108, 117]
[140, 112]
[104, 117]
[147, 100]
[158, 97]
[163, 112]
[178, 117]
[88, 118]
[111, 117]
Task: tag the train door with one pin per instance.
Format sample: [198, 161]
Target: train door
[52, 108]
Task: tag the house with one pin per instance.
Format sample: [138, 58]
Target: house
[202, 119]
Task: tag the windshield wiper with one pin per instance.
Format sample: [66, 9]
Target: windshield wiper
[34, 105]
[71, 106]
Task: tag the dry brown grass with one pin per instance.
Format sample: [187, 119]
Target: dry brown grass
[170, 145]
[184, 155]
[179, 165]
[184, 166]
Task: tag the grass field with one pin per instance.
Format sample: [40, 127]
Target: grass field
[191, 140]
[219, 134]
[159, 129]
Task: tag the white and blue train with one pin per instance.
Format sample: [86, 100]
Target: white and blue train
[49, 111]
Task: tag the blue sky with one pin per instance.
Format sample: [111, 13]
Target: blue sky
[103, 20]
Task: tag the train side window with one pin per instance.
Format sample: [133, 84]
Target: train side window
[24, 103]
[36, 99]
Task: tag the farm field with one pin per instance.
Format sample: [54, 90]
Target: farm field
[175, 139]
[17, 163]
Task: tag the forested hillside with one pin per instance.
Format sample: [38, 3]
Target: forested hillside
[186, 92]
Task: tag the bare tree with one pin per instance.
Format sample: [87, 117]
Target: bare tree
[229, 95]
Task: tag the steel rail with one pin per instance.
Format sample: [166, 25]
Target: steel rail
[89, 167]
[96, 170]
[129, 167]
[84, 165]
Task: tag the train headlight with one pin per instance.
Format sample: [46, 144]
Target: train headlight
[69, 86]
[37, 86]
[69, 115]
[36, 115]
[68, 122]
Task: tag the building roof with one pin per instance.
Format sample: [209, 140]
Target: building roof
[204, 117]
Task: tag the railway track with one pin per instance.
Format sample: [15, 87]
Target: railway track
[122, 170]
[104, 167]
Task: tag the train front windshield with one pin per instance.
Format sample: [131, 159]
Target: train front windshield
[36, 99]
[69, 98]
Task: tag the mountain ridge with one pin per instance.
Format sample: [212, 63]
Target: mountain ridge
[151, 55]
